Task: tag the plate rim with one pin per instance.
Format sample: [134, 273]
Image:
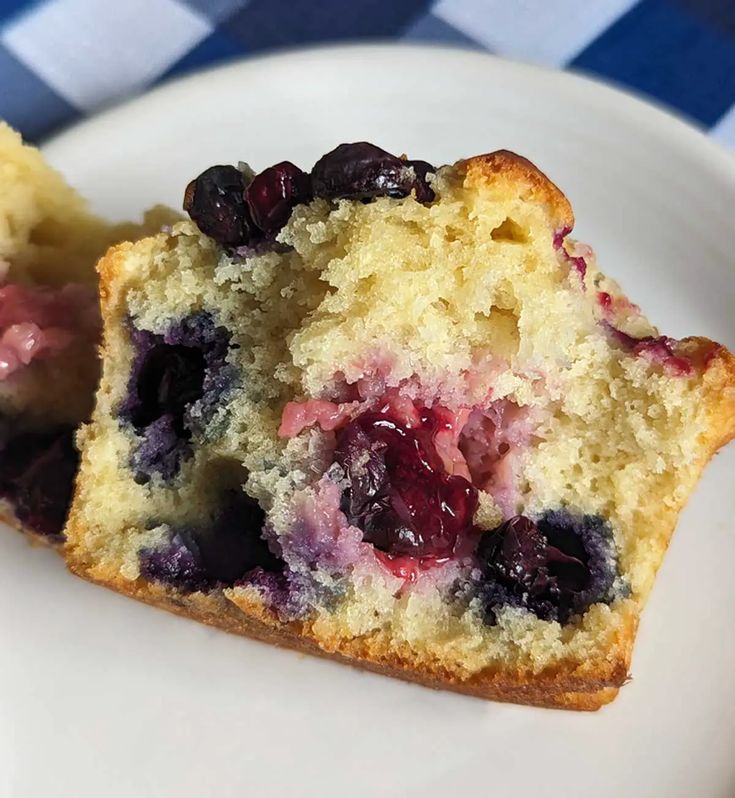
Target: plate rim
[648, 111]
[658, 120]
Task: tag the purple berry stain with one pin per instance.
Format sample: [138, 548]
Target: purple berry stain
[560, 235]
[175, 386]
[659, 349]
[216, 554]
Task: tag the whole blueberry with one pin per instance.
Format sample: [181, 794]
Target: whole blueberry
[273, 193]
[362, 171]
[215, 201]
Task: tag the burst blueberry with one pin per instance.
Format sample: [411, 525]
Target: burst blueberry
[177, 563]
[556, 567]
[171, 377]
[423, 191]
[400, 494]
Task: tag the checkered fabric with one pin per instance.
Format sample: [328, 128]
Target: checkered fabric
[62, 59]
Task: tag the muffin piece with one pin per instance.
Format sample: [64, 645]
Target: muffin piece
[49, 332]
[393, 415]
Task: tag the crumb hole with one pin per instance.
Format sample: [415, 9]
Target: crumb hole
[226, 472]
[499, 331]
[511, 231]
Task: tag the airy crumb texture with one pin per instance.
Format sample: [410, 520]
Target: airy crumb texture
[563, 399]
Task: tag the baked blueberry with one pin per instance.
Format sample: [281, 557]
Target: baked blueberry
[215, 554]
[273, 193]
[215, 201]
[176, 383]
[399, 493]
[363, 171]
[556, 567]
[37, 473]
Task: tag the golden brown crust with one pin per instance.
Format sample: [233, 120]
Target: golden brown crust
[504, 168]
[216, 611]
[546, 688]
[108, 267]
[567, 686]
[719, 391]
[112, 265]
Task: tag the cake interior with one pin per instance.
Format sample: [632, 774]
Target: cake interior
[425, 419]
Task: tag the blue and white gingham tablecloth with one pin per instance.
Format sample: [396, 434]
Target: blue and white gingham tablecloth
[63, 59]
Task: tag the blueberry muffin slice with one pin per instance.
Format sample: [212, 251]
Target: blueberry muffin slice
[49, 332]
[393, 414]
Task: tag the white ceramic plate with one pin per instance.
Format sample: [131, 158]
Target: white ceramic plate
[100, 696]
